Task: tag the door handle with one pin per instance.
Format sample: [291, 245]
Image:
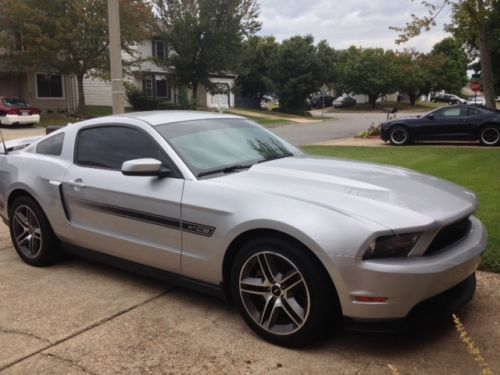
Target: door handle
[77, 183]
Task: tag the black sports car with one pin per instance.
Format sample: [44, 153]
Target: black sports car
[458, 122]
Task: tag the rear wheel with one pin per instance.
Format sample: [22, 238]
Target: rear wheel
[282, 293]
[490, 135]
[31, 233]
[399, 136]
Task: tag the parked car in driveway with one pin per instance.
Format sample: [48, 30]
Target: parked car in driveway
[460, 122]
[448, 98]
[219, 204]
[15, 111]
[317, 101]
[344, 101]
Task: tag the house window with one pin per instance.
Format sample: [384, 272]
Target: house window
[162, 88]
[49, 86]
[147, 86]
[159, 49]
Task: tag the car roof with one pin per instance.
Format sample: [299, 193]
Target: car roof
[165, 117]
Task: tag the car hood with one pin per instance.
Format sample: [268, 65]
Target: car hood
[396, 198]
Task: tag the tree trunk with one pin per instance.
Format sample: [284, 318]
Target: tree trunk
[485, 57]
[372, 99]
[194, 98]
[81, 94]
[413, 98]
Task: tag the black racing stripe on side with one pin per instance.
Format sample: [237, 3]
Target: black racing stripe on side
[131, 214]
[186, 226]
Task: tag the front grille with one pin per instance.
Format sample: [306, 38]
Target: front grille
[449, 235]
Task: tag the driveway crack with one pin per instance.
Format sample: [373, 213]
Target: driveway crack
[70, 362]
[83, 330]
[23, 333]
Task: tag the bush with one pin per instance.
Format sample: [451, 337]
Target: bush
[133, 93]
[146, 103]
[168, 106]
[373, 130]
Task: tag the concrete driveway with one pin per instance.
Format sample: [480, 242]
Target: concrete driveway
[79, 317]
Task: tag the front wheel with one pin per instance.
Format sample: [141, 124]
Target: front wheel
[31, 233]
[490, 135]
[283, 294]
[399, 136]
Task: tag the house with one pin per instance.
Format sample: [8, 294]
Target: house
[48, 92]
[155, 81]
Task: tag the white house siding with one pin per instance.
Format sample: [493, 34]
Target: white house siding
[98, 92]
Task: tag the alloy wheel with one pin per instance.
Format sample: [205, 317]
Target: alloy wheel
[399, 136]
[27, 231]
[274, 293]
[490, 136]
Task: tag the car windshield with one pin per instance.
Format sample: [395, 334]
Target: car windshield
[14, 102]
[214, 146]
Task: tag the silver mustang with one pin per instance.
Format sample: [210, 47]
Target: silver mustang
[217, 203]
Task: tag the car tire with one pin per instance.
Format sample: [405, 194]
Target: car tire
[489, 135]
[283, 294]
[399, 136]
[31, 233]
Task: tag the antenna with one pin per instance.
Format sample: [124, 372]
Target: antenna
[3, 143]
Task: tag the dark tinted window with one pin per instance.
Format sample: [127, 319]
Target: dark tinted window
[109, 147]
[449, 112]
[51, 146]
[472, 112]
[49, 86]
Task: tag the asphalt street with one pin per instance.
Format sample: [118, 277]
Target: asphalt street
[337, 125]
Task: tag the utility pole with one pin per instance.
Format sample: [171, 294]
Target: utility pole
[115, 56]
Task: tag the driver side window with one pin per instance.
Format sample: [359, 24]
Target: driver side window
[109, 146]
[449, 112]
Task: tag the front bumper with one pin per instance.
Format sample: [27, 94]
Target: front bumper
[431, 311]
[16, 119]
[406, 282]
[383, 133]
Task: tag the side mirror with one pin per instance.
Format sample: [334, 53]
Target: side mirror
[430, 117]
[144, 167]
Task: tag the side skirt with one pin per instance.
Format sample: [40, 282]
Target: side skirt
[150, 272]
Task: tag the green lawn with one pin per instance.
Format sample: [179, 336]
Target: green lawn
[269, 122]
[477, 169]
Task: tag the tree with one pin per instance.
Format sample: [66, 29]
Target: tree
[470, 23]
[369, 71]
[328, 60]
[256, 66]
[205, 36]
[411, 75]
[70, 36]
[451, 62]
[296, 71]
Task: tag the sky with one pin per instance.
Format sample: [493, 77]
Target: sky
[363, 23]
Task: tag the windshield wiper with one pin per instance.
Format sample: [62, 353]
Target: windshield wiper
[278, 156]
[232, 168]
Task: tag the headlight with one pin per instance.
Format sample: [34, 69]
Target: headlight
[391, 246]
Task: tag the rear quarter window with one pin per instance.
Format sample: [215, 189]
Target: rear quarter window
[51, 146]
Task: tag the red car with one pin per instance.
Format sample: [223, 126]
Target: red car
[15, 111]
